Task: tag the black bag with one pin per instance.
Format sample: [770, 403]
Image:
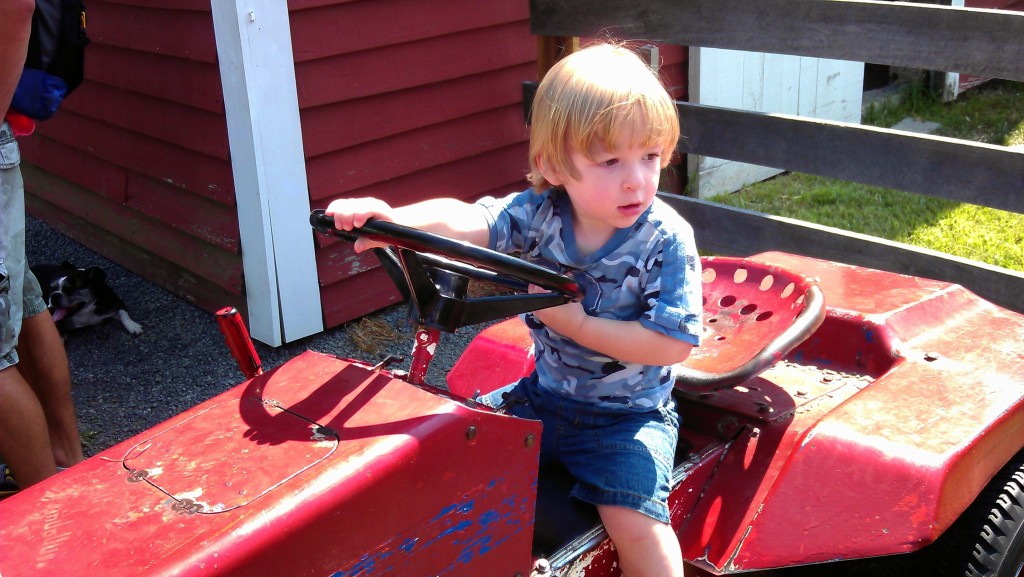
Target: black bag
[55, 64]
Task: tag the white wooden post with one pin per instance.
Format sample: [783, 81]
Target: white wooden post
[947, 83]
[254, 48]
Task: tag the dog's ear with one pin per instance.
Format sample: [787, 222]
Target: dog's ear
[95, 273]
[66, 266]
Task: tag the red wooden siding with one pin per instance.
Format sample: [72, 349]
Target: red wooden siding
[136, 165]
[426, 104]
[398, 98]
[674, 71]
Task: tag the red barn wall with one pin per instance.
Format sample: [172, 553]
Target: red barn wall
[427, 103]
[396, 100]
[136, 163]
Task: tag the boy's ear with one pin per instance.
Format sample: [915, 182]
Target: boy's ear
[550, 173]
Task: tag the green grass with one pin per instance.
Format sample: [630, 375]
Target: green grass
[991, 113]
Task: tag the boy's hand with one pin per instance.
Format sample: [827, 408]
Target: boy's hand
[565, 320]
[352, 213]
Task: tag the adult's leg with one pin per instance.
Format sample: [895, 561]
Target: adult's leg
[646, 547]
[24, 441]
[15, 27]
[44, 364]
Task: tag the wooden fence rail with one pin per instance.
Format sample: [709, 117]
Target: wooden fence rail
[969, 40]
[733, 231]
[949, 168]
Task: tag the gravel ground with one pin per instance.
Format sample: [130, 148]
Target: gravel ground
[124, 385]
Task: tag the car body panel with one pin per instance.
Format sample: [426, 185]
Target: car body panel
[319, 467]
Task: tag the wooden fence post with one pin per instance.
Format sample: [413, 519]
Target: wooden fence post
[551, 49]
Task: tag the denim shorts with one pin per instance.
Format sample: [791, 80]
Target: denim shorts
[617, 458]
[20, 296]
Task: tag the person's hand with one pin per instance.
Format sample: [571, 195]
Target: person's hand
[352, 213]
[565, 320]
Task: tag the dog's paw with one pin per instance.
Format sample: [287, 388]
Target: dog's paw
[133, 328]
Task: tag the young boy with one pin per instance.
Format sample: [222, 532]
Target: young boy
[603, 127]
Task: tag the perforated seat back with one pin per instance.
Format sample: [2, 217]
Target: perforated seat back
[754, 315]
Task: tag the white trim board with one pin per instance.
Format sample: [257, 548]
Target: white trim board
[254, 50]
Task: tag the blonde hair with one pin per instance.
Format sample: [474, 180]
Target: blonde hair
[592, 96]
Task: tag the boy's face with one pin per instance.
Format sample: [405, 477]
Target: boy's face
[615, 185]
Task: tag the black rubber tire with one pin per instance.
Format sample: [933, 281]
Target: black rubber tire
[988, 539]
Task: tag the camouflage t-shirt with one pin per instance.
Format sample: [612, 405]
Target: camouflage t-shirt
[649, 272]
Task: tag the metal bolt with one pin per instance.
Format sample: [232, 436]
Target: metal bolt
[931, 357]
[470, 433]
[187, 507]
[529, 441]
[137, 475]
[324, 431]
[541, 567]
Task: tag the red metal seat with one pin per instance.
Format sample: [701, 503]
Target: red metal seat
[754, 315]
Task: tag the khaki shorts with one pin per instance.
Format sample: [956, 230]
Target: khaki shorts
[20, 295]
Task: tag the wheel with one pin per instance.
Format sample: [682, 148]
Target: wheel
[988, 539]
[432, 271]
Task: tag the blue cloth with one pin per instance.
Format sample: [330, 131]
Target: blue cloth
[649, 272]
[38, 94]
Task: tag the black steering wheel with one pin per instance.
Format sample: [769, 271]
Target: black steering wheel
[433, 273]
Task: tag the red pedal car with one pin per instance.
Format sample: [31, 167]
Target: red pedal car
[838, 420]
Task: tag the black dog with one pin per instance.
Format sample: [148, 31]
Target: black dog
[80, 297]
